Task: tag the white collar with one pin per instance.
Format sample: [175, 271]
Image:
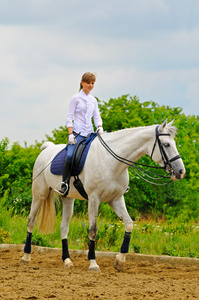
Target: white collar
[84, 94]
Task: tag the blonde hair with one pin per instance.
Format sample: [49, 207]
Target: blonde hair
[87, 77]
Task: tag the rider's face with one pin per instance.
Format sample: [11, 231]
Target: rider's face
[87, 87]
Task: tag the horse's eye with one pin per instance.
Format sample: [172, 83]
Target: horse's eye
[166, 145]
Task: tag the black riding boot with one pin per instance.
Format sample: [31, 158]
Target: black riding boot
[66, 178]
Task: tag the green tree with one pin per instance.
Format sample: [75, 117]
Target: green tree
[127, 111]
[16, 167]
[59, 136]
[177, 198]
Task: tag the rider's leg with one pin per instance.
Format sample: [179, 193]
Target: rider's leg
[66, 177]
[67, 166]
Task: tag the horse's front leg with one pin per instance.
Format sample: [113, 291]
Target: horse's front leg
[119, 207]
[67, 213]
[93, 205]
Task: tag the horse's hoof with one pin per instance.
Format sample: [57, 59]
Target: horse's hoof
[68, 263]
[96, 269]
[26, 258]
[25, 262]
[94, 266]
[118, 265]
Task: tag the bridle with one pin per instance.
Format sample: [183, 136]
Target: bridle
[167, 162]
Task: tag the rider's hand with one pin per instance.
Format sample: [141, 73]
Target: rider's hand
[100, 129]
[71, 139]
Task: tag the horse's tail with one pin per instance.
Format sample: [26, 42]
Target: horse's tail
[47, 214]
[45, 145]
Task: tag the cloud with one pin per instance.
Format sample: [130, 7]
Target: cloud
[192, 94]
[147, 48]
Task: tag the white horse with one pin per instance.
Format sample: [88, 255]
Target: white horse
[104, 178]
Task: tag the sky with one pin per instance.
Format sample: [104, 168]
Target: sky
[147, 48]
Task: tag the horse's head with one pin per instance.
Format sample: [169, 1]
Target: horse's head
[164, 150]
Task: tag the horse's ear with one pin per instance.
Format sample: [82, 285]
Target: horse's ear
[172, 129]
[162, 126]
[171, 123]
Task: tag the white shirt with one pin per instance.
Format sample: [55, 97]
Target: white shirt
[81, 110]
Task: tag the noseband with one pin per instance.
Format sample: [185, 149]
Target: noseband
[167, 162]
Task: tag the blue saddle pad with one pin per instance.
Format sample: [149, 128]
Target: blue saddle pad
[57, 164]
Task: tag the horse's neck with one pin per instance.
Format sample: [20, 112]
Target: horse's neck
[131, 143]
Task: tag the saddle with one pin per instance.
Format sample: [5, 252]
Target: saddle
[80, 154]
[77, 164]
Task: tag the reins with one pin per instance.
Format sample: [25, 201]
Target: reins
[133, 164]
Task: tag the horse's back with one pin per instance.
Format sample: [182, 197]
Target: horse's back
[48, 151]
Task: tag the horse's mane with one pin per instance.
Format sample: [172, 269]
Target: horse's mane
[169, 128]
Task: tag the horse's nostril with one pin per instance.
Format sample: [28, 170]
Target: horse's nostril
[181, 171]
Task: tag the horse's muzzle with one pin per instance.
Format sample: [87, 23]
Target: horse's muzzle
[178, 175]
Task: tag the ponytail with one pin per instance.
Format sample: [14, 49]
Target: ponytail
[80, 87]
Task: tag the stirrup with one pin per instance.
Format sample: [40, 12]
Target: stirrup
[60, 191]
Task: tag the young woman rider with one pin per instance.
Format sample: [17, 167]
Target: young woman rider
[83, 107]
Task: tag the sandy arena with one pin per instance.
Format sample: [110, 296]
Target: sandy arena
[45, 277]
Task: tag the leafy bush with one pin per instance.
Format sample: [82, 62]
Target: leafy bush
[176, 199]
[40, 240]
[4, 236]
[16, 168]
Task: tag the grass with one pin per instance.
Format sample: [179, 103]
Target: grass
[174, 238]
[166, 238]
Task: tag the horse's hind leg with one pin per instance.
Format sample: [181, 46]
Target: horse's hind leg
[93, 205]
[67, 213]
[37, 201]
[119, 207]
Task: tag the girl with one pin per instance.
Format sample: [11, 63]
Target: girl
[83, 107]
